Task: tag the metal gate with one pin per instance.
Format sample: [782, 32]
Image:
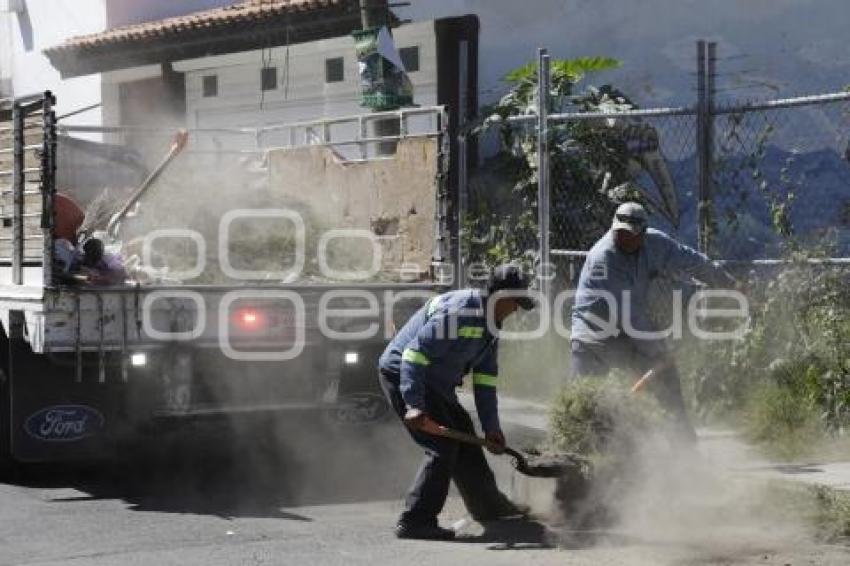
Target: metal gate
[27, 166]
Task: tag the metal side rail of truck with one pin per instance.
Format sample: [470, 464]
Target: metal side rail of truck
[223, 311]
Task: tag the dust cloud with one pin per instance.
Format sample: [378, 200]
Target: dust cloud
[671, 505]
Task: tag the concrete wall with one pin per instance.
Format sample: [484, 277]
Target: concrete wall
[767, 47]
[394, 199]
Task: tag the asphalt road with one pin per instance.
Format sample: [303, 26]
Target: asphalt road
[296, 492]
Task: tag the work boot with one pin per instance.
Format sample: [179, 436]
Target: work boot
[503, 509]
[423, 531]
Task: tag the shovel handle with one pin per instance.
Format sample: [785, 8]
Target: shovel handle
[649, 373]
[520, 462]
[181, 138]
[462, 436]
[642, 381]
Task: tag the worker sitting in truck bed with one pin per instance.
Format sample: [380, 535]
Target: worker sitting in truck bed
[100, 267]
[419, 371]
[68, 217]
[623, 265]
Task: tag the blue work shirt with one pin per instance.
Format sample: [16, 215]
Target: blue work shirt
[444, 341]
[608, 269]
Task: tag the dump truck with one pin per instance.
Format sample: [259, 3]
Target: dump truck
[266, 270]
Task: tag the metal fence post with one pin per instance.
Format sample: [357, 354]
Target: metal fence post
[709, 149]
[543, 193]
[48, 184]
[706, 58]
[702, 162]
[462, 207]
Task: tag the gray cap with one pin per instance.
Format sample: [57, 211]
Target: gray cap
[632, 217]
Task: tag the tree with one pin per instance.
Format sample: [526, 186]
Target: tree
[595, 165]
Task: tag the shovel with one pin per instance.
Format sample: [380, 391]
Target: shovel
[554, 466]
[181, 138]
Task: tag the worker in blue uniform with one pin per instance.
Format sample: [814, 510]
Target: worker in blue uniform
[448, 338]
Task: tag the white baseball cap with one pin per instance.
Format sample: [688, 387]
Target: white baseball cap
[630, 216]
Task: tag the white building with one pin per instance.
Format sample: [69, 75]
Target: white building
[27, 28]
[764, 49]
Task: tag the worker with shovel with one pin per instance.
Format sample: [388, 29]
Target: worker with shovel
[612, 322]
[419, 372]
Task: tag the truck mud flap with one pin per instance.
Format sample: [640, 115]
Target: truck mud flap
[54, 418]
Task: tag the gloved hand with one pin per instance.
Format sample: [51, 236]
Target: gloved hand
[495, 441]
[417, 419]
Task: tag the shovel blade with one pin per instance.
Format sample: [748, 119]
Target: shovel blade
[548, 466]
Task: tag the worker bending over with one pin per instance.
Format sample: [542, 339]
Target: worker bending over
[419, 371]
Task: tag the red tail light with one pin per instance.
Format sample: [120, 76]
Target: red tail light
[249, 319]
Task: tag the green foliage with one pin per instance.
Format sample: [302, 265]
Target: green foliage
[564, 75]
[589, 158]
[615, 430]
[563, 70]
[740, 178]
[784, 424]
[792, 368]
[598, 417]
[832, 515]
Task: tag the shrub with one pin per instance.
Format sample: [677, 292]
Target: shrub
[797, 342]
[786, 424]
[601, 418]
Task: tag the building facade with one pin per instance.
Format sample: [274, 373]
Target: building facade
[763, 49]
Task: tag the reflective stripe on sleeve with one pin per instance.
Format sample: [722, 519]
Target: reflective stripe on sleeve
[414, 357]
[470, 332]
[484, 379]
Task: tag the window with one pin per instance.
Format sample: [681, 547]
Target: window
[210, 86]
[334, 70]
[410, 58]
[268, 78]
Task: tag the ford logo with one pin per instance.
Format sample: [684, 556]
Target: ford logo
[64, 423]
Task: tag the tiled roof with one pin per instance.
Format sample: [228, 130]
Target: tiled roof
[247, 25]
[250, 12]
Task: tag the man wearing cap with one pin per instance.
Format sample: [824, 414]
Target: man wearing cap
[617, 276]
[419, 371]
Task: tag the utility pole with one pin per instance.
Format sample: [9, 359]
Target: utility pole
[373, 14]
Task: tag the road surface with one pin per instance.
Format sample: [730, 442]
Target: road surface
[267, 495]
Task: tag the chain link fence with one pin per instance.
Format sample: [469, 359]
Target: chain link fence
[771, 177]
[780, 175]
